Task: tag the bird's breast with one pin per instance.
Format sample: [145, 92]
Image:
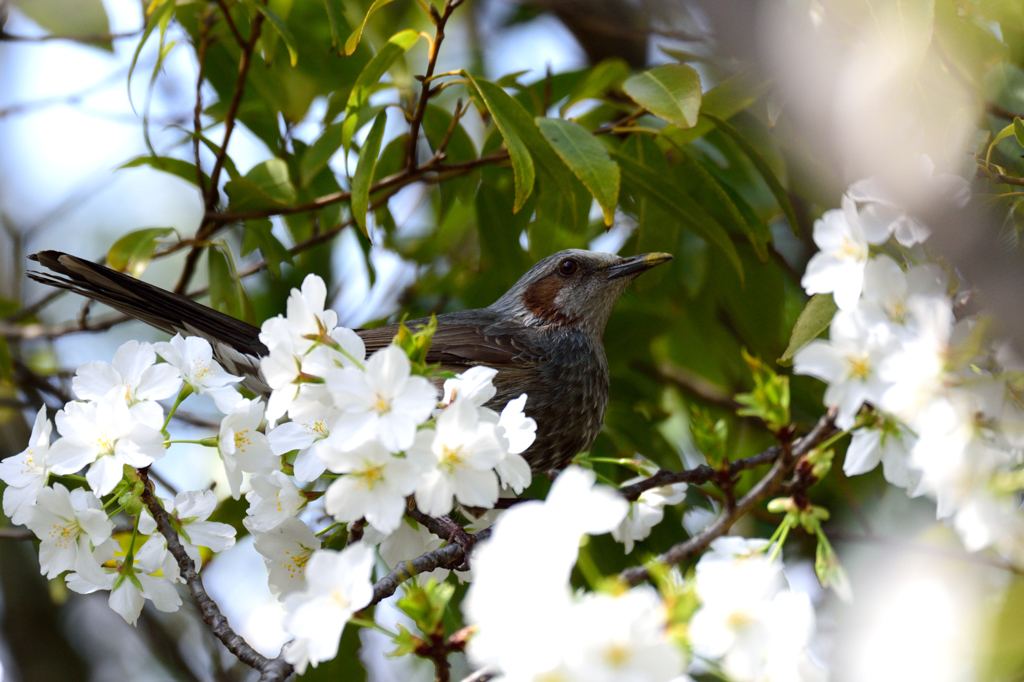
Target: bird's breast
[567, 395]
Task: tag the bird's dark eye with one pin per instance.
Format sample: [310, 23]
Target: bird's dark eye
[568, 267]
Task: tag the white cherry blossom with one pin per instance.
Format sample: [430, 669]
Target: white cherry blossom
[129, 587]
[385, 401]
[838, 268]
[191, 510]
[286, 550]
[887, 288]
[306, 313]
[103, 434]
[460, 454]
[518, 430]
[409, 541]
[917, 371]
[242, 447]
[66, 523]
[849, 362]
[474, 385]
[133, 370]
[620, 638]
[374, 485]
[646, 512]
[748, 621]
[193, 357]
[26, 473]
[337, 585]
[889, 444]
[296, 378]
[303, 436]
[273, 499]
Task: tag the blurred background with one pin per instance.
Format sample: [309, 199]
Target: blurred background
[824, 93]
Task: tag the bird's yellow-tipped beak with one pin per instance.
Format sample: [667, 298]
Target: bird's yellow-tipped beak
[634, 265]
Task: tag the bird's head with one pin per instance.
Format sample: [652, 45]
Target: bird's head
[574, 288]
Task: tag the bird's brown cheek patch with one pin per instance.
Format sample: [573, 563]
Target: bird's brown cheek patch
[539, 299]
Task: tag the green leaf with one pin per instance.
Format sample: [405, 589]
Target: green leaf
[769, 401]
[133, 252]
[316, 157]
[258, 234]
[606, 75]
[226, 292]
[503, 110]
[366, 83]
[814, 319]
[334, 20]
[353, 40]
[160, 16]
[363, 176]
[229, 165]
[1004, 133]
[182, 169]
[587, 158]
[694, 217]
[723, 201]
[1018, 130]
[725, 100]
[516, 124]
[671, 91]
[282, 30]
[267, 185]
[70, 18]
[777, 190]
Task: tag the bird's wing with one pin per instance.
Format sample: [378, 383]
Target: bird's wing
[464, 344]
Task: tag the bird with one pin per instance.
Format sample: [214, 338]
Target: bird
[544, 336]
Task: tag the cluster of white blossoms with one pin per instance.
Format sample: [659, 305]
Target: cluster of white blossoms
[541, 629]
[750, 625]
[117, 426]
[946, 404]
[363, 435]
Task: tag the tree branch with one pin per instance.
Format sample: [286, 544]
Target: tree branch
[699, 475]
[785, 460]
[271, 670]
[450, 556]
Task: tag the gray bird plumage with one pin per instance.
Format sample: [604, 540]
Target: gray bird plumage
[544, 336]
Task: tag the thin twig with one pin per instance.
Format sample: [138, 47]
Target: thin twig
[700, 474]
[272, 670]
[231, 23]
[425, 94]
[28, 332]
[784, 463]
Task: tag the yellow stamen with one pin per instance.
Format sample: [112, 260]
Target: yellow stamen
[858, 366]
[452, 458]
[241, 440]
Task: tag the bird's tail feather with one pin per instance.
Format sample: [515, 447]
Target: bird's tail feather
[235, 343]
